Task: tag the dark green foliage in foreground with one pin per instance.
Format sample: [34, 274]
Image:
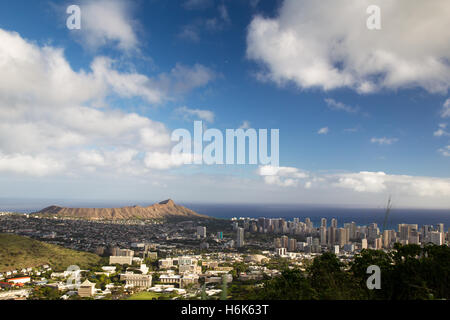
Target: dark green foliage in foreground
[407, 273]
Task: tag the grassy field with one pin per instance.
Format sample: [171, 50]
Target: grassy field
[17, 252]
[144, 295]
[148, 295]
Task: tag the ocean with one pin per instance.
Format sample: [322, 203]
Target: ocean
[362, 216]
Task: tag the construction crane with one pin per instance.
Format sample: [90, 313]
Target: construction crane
[388, 209]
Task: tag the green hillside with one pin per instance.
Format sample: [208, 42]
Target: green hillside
[18, 252]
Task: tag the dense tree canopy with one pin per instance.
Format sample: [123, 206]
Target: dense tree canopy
[407, 273]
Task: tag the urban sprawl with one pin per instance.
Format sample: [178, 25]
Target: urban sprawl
[188, 259]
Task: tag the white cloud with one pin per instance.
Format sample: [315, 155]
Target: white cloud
[408, 51]
[364, 182]
[339, 106]
[91, 158]
[190, 32]
[384, 140]
[54, 117]
[38, 165]
[441, 131]
[184, 78]
[164, 161]
[445, 151]
[446, 109]
[323, 130]
[223, 13]
[108, 22]
[195, 114]
[378, 182]
[281, 176]
[245, 125]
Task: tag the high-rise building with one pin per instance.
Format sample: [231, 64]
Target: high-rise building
[341, 237]
[363, 243]
[309, 224]
[323, 235]
[405, 230]
[351, 230]
[334, 223]
[336, 249]
[277, 242]
[323, 222]
[388, 238]
[240, 238]
[378, 243]
[372, 231]
[284, 241]
[414, 237]
[436, 238]
[440, 228]
[331, 236]
[201, 232]
[292, 245]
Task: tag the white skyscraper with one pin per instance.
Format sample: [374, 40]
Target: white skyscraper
[201, 231]
[363, 243]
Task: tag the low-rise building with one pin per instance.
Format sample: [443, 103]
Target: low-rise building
[137, 280]
[121, 260]
[86, 289]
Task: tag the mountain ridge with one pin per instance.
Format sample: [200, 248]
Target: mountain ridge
[161, 210]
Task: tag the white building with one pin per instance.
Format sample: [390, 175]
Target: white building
[121, 260]
[436, 238]
[137, 280]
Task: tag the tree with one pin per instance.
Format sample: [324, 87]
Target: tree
[224, 293]
[203, 296]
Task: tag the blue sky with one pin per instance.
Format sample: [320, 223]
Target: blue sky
[268, 63]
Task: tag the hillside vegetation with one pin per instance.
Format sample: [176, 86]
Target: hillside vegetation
[17, 252]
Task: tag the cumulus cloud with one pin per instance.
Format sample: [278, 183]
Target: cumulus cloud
[441, 130]
[54, 117]
[445, 151]
[38, 165]
[108, 22]
[339, 106]
[323, 130]
[245, 125]
[384, 140]
[407, 52]
[376, 182]
[446, 109]
[190, 32]
[216, 23]
[281, 176]
[165, 160]
[189, 114]
[364, 182]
